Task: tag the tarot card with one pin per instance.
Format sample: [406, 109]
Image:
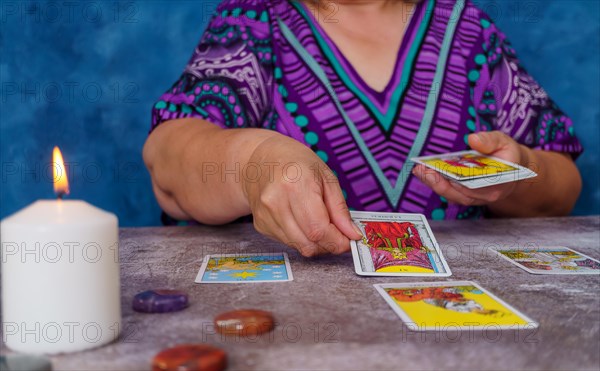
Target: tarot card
[396, 245]
[236, 268]
[475, 170]
[458, 305]
[551, 260]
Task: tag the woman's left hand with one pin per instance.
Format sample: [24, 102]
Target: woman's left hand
[494, 143]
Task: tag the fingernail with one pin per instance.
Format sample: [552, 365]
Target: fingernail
[357, 229]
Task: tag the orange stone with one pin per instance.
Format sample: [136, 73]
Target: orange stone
[245, 322]
[190, 357]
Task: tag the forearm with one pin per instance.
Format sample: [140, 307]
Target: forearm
[196, 168]
[552, 193]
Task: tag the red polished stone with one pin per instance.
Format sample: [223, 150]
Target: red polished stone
[190, 357]
[245, 322]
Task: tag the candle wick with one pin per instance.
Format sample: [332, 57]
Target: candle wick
[60, 195]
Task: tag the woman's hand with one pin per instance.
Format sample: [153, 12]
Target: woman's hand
[493, 143]
[296, 198]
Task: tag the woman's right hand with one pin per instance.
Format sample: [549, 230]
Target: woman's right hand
[296, 199]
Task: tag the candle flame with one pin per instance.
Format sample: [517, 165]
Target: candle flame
[61, 183]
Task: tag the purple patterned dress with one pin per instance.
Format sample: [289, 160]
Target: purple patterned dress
[269, 64]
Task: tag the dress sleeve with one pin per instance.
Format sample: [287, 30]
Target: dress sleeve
[508, 99]
[229, 77]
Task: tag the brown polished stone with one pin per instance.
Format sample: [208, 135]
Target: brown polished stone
[190, 357]
[245, 322]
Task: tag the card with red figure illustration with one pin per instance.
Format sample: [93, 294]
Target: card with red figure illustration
[396, 245]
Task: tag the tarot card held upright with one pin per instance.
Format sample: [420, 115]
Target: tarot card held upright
[396, 245]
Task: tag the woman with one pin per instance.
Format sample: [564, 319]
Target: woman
[291, 110]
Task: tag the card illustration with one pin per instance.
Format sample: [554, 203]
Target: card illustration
[551, 260]
[474, 170]
[468, 165]
[235, 268]
[398, 245]
[451, 306]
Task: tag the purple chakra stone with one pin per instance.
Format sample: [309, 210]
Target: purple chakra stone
[160, 301]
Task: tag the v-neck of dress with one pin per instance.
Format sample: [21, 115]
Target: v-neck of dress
[392, 186]
[383, 104]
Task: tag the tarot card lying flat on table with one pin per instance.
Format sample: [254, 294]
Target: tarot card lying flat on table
[396, 245]
[236, 268]
[551, 260]
[459, 305]
[475, 170]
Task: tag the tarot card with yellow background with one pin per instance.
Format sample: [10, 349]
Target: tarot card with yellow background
[474, 170]
[459, 305]
[551, 260]
[237, 268]
[467, 164]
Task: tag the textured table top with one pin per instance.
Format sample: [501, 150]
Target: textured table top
[330, 318]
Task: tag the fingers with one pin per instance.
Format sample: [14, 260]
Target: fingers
[313, 220]
[267, 225]
[299, 215]
[488, 142]
[283, 228]
[459, 194]
[338, 210]
[298, 240]
[302, 224]
[295, 238]
[485, 195]
[443, 187]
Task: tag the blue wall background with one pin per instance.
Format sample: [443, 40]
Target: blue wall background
[83, 76]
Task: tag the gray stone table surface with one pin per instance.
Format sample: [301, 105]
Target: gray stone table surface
[330, 318]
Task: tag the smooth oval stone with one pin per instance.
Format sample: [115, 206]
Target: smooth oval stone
[160, 301]
[190, 357]
[245, 322]
[23, 362]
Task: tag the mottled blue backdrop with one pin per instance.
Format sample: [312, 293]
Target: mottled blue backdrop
[83, 76]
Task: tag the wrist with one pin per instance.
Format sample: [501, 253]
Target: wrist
[254, 156]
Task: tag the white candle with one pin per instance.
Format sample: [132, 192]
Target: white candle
[60, 277]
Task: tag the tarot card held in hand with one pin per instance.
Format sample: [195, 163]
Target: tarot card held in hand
[236, 268]
[474, 170]
[551, 260]
[396, 245]
[459, 305]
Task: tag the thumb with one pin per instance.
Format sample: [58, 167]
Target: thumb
[338, 210]
[487, 142]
